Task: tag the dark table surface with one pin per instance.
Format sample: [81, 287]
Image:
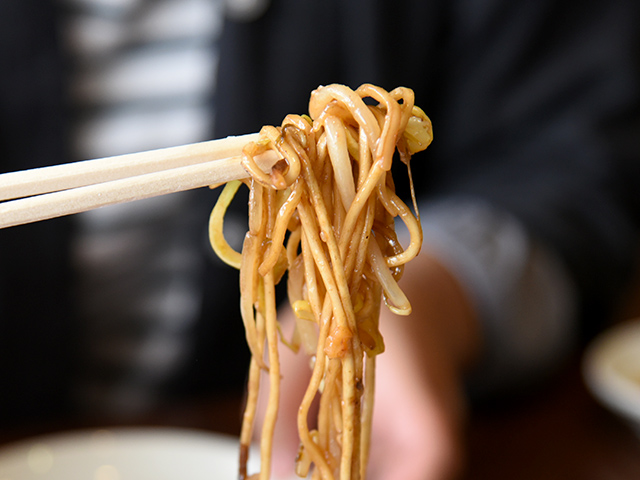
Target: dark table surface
[560, 432]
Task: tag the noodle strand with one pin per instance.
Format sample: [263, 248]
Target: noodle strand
[326, 214]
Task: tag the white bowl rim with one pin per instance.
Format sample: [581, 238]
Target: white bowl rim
[611, 386]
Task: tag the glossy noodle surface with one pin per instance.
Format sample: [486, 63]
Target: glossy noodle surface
[325, 215]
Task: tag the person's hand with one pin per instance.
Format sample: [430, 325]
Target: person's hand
[419, 409]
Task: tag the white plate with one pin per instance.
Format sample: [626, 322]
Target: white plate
[122, 454]
[612, 370]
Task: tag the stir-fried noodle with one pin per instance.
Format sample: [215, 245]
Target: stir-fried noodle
[314, 215]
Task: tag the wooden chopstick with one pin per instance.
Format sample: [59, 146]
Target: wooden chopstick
[127, 187]
[26, 183]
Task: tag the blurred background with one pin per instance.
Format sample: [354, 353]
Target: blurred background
[123, 315]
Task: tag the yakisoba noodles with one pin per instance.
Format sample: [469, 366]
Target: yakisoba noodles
[326, 215]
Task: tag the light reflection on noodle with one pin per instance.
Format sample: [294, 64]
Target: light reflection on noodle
[314, 215]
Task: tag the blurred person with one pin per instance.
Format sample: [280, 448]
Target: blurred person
[528, 195]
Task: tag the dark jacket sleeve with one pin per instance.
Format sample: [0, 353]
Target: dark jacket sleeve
[535, 106]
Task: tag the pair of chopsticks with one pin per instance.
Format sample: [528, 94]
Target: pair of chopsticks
[48, 192]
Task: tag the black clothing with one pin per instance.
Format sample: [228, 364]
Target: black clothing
[36, 324]
[535, 106]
